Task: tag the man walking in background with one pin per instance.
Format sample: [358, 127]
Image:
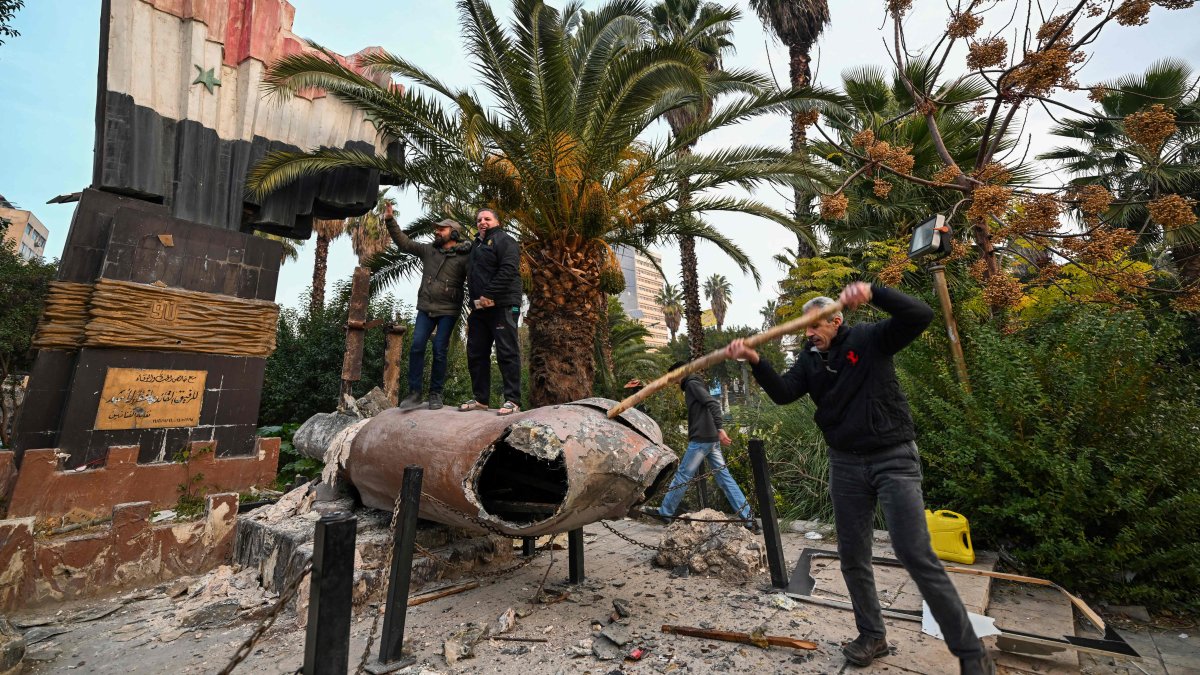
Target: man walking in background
[439, 301]
[494, 289]
[866, 422]
[706, 435]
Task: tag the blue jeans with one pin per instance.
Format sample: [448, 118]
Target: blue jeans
[892, 477]
[696, 453]
[425, 325]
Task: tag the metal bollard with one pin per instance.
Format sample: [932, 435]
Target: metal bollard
[391, 645]
[528, 546]
[770, 520]
[575, 555]
[327, 640]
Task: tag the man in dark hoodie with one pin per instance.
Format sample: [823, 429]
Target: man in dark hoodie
[494, 288]
[706, 435]
[848, 372]
[439, 301]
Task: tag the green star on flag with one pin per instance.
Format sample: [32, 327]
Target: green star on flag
[206, 78]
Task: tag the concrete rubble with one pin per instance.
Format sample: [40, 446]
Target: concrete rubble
[721, 549]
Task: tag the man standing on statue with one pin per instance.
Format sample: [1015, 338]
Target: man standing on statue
[494, 289]
[439, 301]
[865, 419]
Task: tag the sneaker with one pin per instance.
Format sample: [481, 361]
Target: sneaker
[652, 512]
[978, 666]
[752, 525]
[413, 400]
[435, 401]
[472, 405]
[508, 408]
[863, 650]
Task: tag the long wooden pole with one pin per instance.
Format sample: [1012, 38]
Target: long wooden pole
[956, 350]
[718, 355]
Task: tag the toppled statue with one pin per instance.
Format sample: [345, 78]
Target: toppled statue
[544, 471]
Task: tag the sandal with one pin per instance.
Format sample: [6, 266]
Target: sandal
[508, 408]
[472, 405]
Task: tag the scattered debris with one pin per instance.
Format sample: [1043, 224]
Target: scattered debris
[164, 515]
[460, 644]
[618, 633]
[43, 633]
[622, 608]
[505, 622]
[584, 648]
[1135, 612]
[722, 549]
[605, 649]
[781, 601]
[757, 638]
[219, 613]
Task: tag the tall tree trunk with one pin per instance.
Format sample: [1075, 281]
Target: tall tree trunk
[801, 76]
[316, 301]
[691, 296]
[691, 278]
[564, 310]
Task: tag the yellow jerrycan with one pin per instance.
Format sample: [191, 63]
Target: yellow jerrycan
[950, 534]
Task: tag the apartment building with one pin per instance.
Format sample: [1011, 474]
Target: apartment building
[642, 285]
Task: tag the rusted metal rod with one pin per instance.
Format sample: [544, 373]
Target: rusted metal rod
[718, 355]
[441, 593]
[763, 641]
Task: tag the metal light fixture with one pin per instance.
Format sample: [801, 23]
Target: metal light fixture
[930, 239]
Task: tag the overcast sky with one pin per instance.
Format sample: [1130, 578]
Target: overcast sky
[48, 81]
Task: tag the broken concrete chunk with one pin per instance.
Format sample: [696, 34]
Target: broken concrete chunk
[618, 633]
[622, 607]
[605, 649]
[722, 549]
[584, 648]
[460, 644]
[505, 622]
[781, 601]
[539, 440]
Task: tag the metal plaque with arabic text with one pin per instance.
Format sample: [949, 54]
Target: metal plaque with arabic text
[150, 398]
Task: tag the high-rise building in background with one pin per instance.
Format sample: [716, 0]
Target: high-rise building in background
[642, 285]
[24, 228]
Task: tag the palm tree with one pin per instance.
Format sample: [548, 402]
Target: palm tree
[671, 302]
[797, 24]
[1134, 173]
[623, 352]
[875, 100]
[368, 235]
[719, 293]
[327, 231]
[557, 152]
[770, 314]
[705, 29]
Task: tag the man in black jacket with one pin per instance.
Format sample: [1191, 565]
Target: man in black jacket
[494, 289]
[439, 301]
[706, 435]
[848, 372]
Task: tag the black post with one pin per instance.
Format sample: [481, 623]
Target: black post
[528, 546]
[391, 644]
[327, 641]
[766, 508]
[575, 555]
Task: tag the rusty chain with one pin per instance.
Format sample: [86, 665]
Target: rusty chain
[284, 598]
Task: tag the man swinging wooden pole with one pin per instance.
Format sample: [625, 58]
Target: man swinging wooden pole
[714, 357]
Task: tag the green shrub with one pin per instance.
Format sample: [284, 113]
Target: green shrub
[1076, 452]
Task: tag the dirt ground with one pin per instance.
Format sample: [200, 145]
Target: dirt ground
[195, 625]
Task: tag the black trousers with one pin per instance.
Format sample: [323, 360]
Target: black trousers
[485, 327]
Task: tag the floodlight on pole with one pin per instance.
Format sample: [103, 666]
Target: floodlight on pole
[931, 240]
